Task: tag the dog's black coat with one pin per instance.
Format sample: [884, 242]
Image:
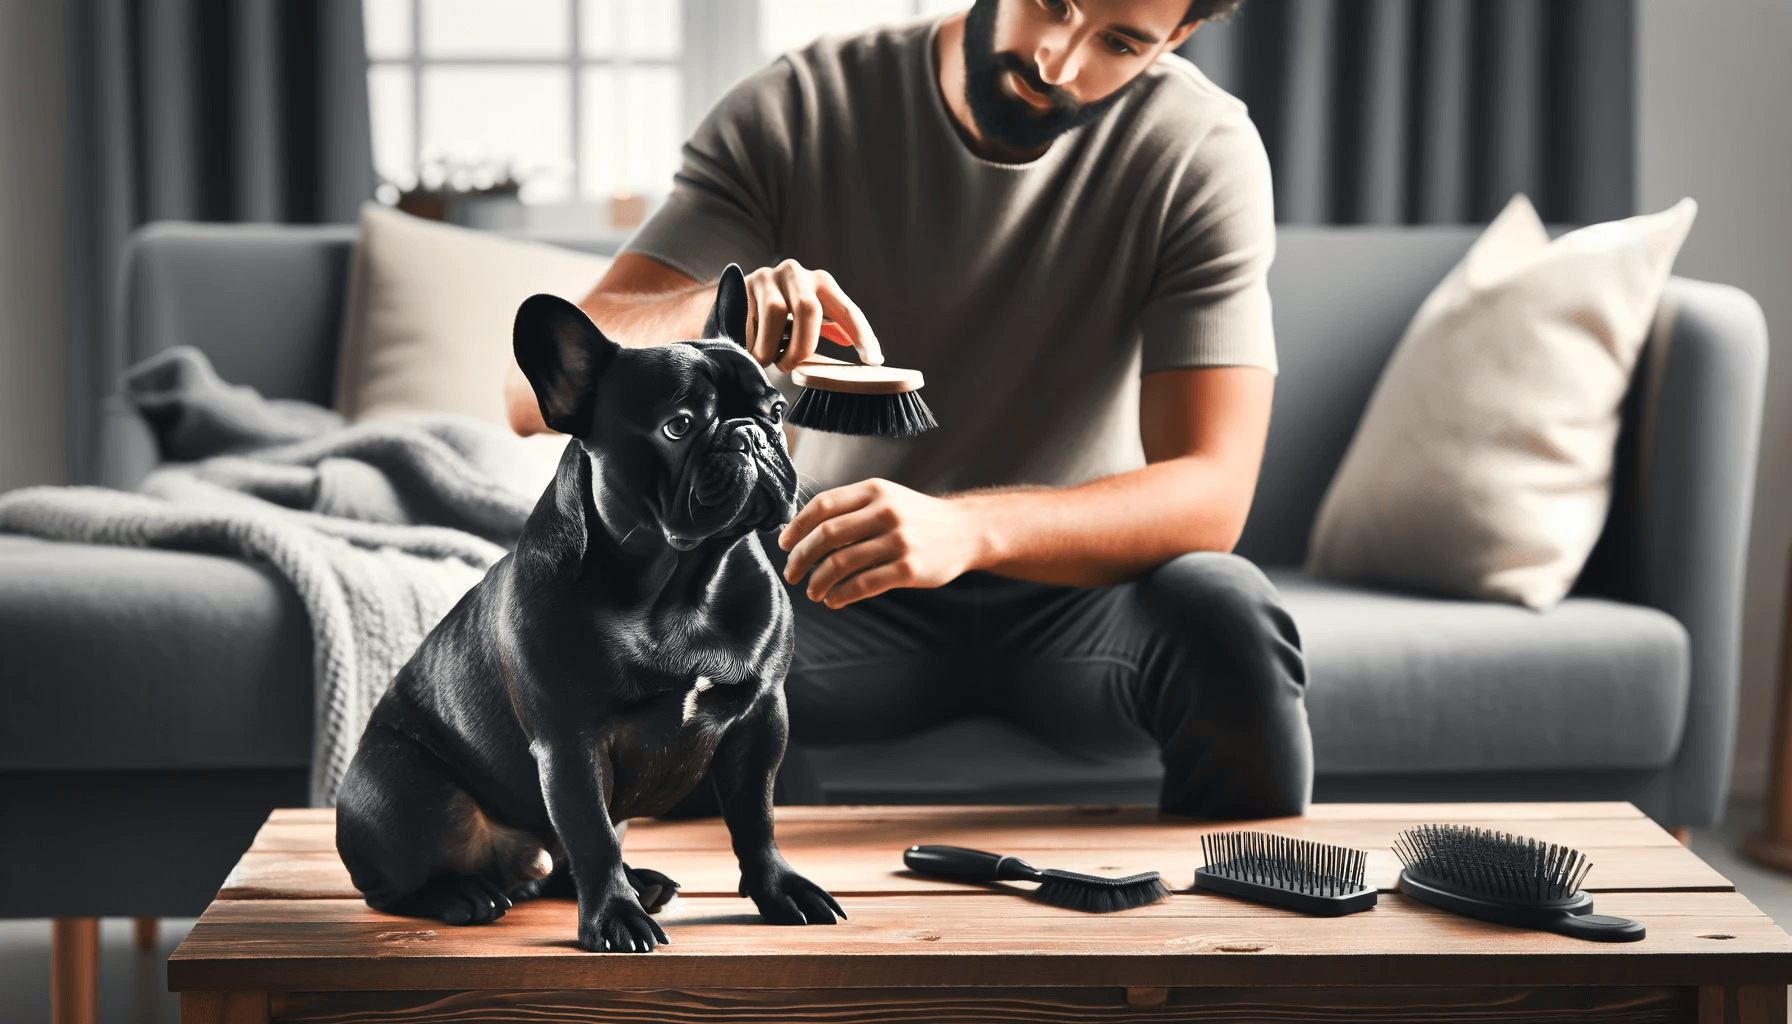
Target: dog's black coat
[637, 638]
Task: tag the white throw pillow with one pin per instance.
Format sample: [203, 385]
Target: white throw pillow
[430, 308]
[1482, 466]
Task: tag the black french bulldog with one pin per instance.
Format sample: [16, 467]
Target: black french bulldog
[636, 638]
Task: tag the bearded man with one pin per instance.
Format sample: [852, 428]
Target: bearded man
[1066, 227]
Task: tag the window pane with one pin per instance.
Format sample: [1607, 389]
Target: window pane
[388, 24]
[389, 100]
[649, 29]
[479, 123]
[496, 28]
[631, 138]
[788, 24]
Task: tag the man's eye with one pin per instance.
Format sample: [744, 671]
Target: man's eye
[1118, 46]
[677, 426]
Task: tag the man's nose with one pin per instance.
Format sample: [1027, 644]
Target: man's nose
[1056, 59]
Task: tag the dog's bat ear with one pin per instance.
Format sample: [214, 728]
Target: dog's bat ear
[728, 317]
[563, 354]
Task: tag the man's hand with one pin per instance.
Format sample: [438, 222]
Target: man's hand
[791, 291]
[873, 536]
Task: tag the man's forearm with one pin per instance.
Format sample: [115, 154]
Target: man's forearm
[644, 320]
[1113, 529]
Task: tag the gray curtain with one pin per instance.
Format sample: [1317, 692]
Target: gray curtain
[212, 110]
[1434, 111]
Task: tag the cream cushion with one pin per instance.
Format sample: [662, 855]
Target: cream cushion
[1482, 466]
[429, 313]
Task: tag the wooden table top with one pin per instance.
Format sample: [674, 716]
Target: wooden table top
[287, 918]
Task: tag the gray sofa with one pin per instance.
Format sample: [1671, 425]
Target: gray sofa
[158, 702]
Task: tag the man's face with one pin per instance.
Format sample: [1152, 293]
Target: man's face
[1035, 69]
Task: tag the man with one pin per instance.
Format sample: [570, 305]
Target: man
[1067, 229]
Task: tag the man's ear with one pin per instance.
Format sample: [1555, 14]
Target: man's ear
[563, 354]
[728, 317]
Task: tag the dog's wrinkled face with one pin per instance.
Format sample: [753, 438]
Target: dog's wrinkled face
[685, 439]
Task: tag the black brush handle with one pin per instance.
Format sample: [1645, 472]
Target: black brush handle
[962, 864]
[1598, 927]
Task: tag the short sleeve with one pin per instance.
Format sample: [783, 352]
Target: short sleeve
[1209, 299]
[728, 197]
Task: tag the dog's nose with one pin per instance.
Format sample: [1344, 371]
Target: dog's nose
[739, 438]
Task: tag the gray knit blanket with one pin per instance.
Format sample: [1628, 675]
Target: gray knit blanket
[380, 527]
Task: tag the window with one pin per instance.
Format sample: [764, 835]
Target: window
[577, 100]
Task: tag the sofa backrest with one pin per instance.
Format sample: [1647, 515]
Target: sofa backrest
[265, 304]
[1343, 297]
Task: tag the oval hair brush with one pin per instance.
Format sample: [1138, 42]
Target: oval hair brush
[1507, 879]
[852, 398]
[1069, 889]
[1313, 878]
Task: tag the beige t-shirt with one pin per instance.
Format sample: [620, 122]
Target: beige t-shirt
[1031, 295]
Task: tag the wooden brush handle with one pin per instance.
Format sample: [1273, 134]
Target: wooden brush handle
[825, 373]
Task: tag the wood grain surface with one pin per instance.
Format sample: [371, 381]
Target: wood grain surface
[289, 922]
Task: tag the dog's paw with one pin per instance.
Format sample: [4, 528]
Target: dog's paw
[653, 889]
[619, 925]
[458, 899]
[785, 897]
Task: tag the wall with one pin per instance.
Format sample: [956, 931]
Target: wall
[1714, 84]
[33, 110]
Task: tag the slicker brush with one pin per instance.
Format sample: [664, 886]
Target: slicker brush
[1069, 889]
[1507, 879]
[852, 398]
[1313, 878]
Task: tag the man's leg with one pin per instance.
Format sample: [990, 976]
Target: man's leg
[1199, 655]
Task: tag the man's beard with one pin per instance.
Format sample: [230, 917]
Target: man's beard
[1006, 120]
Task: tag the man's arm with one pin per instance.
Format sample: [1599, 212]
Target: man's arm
[1203, 432]
[640, 302]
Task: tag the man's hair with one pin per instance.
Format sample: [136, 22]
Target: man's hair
[1210, 10]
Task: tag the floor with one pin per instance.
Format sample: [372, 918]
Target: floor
[133, 985]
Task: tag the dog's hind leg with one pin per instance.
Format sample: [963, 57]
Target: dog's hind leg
[416, 844]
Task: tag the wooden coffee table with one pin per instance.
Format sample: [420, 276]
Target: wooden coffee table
[288, 938]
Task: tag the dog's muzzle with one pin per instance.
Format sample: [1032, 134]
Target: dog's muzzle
[731, 463]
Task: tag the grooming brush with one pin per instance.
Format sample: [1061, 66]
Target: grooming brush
[1313, 878]
[851, 398]
[1091, 893]
[1507, 879]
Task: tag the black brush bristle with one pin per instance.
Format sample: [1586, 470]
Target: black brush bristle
[1296, 865]
[1097, 895]
[1492, 865]
[898, 415]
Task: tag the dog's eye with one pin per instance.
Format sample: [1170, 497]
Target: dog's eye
[677, 426]
[777, 414]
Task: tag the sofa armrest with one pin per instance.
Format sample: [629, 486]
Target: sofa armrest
[1700, 428]
[127, 446]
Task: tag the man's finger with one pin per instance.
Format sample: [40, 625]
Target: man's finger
[861, 585]
[773, 312]
[805, 312]
[848, 526]
[836, 304]
[872, 549]
[823, 506]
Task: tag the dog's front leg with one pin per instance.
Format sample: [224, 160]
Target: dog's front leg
[574, 781]
[744, 768]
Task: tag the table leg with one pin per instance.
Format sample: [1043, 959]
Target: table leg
[75, 970]
[145, 932]
[1742, 1004]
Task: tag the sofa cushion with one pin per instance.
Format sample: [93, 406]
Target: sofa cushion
[167, 659]
[1397, 685]
[1400, 684]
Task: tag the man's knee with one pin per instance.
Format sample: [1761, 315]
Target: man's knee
[1225, 599]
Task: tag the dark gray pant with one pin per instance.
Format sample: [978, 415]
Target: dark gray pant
[1199, 655]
